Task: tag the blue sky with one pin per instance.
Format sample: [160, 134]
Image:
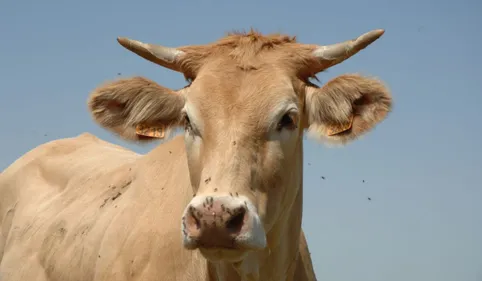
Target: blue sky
[422, 166]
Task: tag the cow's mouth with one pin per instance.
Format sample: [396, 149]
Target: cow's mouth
[216, 254]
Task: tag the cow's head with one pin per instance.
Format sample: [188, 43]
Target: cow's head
[248, 102]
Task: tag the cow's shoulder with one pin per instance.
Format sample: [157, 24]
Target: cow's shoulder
[52, 197]
[94, 205]
[62, 166]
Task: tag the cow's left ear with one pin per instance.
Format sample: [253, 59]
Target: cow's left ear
[345, 108]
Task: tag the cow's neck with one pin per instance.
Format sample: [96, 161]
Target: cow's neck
[283, 237]
[283, 241]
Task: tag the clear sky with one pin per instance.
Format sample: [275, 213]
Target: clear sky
[422, 166]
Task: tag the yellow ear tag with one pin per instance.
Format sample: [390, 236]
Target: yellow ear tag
[336, 129]
[150, 131]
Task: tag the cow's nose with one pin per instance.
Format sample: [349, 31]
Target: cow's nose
[221, 222]
[215, 225]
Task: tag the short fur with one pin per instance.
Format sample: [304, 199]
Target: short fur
[245, 47]
[125, 103]
[103, 213]
[367, 99]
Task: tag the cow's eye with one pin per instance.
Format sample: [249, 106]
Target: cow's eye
[187, 123]
[286, 122]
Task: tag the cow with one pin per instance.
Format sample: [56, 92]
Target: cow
[222, 200]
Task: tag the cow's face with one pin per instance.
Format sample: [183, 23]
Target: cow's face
[243, 116]
[242, 134]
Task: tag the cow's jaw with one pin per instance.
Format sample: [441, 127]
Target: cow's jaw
[222, 227]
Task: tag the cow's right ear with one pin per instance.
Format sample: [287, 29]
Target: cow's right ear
[137, 109]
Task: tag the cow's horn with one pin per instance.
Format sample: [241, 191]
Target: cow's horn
[164, 56]
[330, 55]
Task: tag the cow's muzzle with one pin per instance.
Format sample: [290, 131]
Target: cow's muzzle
[222, 222]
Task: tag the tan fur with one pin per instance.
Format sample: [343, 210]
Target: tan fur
[123, 104]
[367, 99]
[97, 214]
[101, 212]
[247, 48]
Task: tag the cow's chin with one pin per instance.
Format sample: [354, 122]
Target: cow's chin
[224, 254]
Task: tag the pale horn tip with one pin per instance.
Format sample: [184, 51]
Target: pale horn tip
[367, 38]
[374, 34]
[123, 40]
[378, 32]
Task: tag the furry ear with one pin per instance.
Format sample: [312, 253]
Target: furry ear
[346, 108]
[128, 106]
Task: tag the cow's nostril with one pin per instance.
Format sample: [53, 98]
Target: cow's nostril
[194, 219]
[235, 223]
[197, 221]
